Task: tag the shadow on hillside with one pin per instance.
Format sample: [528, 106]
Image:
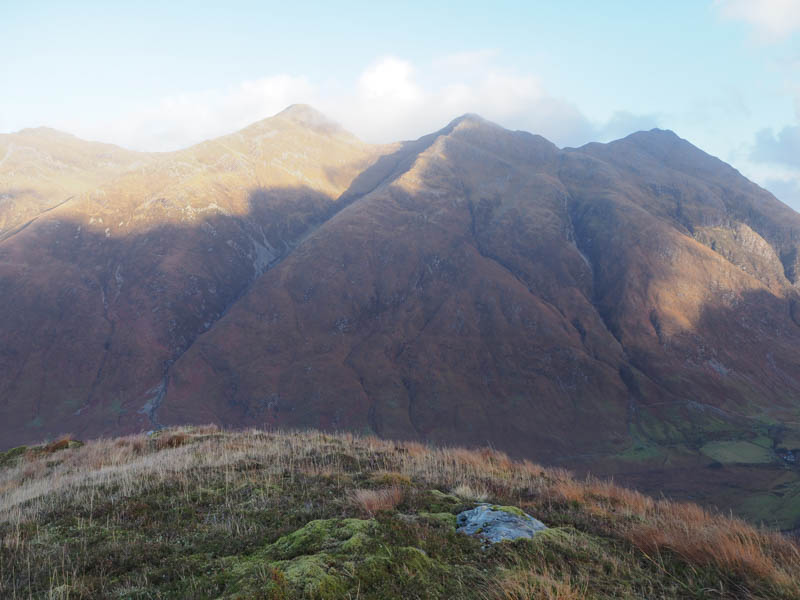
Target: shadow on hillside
[91, 321]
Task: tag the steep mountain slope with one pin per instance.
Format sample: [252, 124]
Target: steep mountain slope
[101, 294]
[42, 168]
[395, 317]
[628, 308]
[558, 304]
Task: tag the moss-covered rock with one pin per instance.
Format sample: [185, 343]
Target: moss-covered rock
[318, 576]
[347, 535]
[512, 510]
[495, 523]
[331, 558]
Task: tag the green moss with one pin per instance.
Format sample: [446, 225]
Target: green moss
[445, 519]
[407, 568]
[315, 576]
[322, 535]
[246, 579]
[10, 456]
[331, 558]
[510, 509]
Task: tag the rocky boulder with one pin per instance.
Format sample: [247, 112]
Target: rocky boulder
[498, 523]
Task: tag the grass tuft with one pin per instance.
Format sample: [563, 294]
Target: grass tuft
[372, 501]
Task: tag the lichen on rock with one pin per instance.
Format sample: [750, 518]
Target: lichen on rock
[498, 523]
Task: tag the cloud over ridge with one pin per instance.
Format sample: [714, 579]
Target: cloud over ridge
[391, 99]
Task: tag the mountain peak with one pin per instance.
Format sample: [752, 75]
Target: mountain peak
[665, 133]
[668, 148]
[304, 114]
[470, 120]
[655, 136]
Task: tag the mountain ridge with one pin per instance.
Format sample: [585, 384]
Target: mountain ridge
[463, 287]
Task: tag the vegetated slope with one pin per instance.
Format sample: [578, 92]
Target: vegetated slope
[42, 168]
[101, 294]
[614, 308]
[395, 315]
[200, 513]
[627, 308]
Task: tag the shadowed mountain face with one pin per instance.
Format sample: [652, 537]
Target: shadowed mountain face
[101, 294]
[627, 308]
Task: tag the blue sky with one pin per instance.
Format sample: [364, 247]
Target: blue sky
[725, 74]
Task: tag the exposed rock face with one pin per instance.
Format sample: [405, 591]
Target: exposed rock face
[498, 523]
[613, 307]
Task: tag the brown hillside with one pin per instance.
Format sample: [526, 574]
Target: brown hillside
[627, 308]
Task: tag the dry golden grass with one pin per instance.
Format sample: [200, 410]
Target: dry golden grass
[469, 492]
[603, 497]
[39, 482]
[524, 585]
[701, 538]
[172, 440]
[372, 501]
[60, 444]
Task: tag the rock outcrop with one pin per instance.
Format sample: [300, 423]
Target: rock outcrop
[498, 523]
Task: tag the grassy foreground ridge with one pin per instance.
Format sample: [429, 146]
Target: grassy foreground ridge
[203, 513]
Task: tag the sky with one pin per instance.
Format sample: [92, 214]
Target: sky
[161, 75]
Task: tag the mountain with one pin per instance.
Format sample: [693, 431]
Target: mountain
[628, 308]
[100, 294]
[204, 513]
[42, 168]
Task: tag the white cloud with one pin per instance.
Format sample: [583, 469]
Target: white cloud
[395, 100]
[180, 120]
[386, 99]
[390, 79]
[390, 100]
[771, 18]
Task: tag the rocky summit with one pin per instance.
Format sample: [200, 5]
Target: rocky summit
[628, 308]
